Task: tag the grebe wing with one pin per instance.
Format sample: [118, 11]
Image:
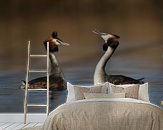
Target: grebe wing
[121, 79]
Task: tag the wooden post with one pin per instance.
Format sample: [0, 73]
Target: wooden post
[47, 108]
[26, 86]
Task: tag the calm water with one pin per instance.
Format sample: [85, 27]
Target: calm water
[141, 60]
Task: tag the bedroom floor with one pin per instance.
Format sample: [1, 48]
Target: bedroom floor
[17, 125]
[15, 121]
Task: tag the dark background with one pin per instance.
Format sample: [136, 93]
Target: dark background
[136, 21]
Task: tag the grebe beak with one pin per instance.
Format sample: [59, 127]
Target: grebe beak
[59, 42]
[65, 44]
[96, 32]
[105, 35]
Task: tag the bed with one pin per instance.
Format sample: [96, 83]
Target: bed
[96, 108]
[106, 114]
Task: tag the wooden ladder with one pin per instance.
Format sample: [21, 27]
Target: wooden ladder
[27, 90]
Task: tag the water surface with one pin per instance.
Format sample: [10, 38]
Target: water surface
[131, 61]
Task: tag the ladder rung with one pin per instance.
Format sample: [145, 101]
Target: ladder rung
[37, 56]
[36, 105]
[37, 71]
[37, 89]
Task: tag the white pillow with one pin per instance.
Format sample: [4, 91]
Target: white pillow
[131, 91]
[71, 93]
[80, 90]
[104, 95]
[106, 87]
[143, 90]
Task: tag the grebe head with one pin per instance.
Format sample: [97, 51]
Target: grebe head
[54, 34]
[111, 42]
[54, 42]
[106, 36]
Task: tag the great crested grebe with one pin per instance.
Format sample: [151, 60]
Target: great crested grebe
[56, 78]
[100, 76]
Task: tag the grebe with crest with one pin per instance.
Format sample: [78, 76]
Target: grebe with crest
[100, 76]
[56, 78]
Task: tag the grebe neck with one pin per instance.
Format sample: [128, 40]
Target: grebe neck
[100, 74]
[54, 67]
